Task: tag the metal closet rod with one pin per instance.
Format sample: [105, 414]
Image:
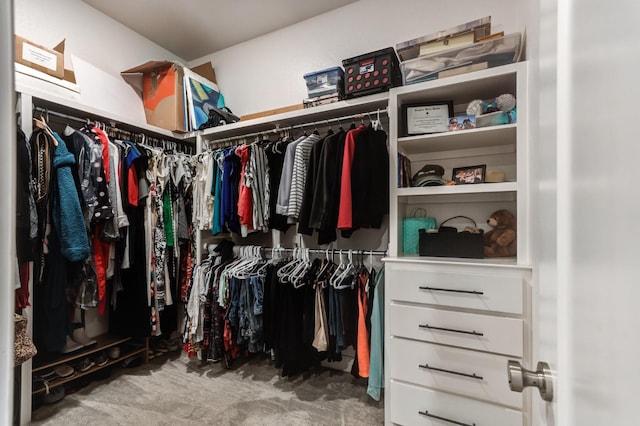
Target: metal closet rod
[362, 115]
[112, 125]
[318, 251]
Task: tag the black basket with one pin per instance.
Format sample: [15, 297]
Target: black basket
[448, 242]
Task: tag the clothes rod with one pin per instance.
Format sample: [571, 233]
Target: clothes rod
[112, 125]
[371, 115]
[312, 251]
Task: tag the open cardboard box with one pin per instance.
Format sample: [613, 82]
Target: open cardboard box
[43, 59]
[161, 86]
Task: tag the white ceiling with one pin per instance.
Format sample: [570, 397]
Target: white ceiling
[194, 28]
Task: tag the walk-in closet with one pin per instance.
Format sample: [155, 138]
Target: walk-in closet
[348, 212]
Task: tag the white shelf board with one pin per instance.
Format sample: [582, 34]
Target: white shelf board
[478, 188]
[462, 139]
[323, 112]
[483, 84]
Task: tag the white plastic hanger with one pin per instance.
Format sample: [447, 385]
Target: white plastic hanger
[341, 267]
[350, 267]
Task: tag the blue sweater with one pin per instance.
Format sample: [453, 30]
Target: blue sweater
[67, 215]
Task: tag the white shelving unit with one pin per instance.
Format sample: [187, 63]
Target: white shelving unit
[452, 324]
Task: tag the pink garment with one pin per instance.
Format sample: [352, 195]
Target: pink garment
[245, 198]
[345, 212]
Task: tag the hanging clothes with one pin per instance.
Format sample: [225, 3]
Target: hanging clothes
[245, 195]
[370, 179]
[345, 210]
[257, 179]
[284, 189]
[66, 212]
[276, 152]
[376, 360]
[311, 181]
[299, 175]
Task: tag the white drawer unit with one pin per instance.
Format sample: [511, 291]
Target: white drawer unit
[453, 323]
[473, 331]
[485, 288]
[414, 405]
[460, 371]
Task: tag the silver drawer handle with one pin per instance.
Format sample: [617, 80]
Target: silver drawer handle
[444, 419]
[453, 330]
[451, 290]
[457, 373]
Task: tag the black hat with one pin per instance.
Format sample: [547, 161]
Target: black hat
[429, 175]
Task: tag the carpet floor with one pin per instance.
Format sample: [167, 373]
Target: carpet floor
[175, 390]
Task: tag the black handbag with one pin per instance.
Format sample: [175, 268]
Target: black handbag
[218, 117]
[448, 242]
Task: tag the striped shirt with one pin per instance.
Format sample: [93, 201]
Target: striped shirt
[299, 175]
[257, 178]
[284, 189]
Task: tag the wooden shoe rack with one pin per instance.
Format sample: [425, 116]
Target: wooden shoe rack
[129, 348]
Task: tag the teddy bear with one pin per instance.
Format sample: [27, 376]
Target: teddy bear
[500, 241]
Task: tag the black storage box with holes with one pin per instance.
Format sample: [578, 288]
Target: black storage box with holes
[448, 242]
[371, 73]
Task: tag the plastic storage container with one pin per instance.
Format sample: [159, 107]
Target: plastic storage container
[487, 54]
[324, 82]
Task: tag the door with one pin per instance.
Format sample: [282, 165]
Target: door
[587, 263]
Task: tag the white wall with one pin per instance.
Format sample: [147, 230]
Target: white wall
[99, 47]
[266, 73]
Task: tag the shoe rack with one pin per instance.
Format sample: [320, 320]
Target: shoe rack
[128, 346]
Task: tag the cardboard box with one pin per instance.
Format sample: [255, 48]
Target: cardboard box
[166, 94]
[49, 61]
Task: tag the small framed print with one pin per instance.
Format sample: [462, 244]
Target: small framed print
[427, 117]
[462, 122]
[471, 174]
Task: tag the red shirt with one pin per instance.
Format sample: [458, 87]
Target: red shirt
[345, 212]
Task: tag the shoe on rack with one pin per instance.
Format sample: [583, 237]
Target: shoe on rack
[80, 337]
[71, 346]
[63, 371]
[54, 395]
[114, 352]
[84, 365]
[101, 359]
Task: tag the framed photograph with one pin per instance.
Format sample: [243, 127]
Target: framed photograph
[462, 122]
[426, 117]
[471, 174]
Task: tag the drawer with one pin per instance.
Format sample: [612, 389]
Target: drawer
[483, 291]
[473, 331]
[461, 371]
[411, 404]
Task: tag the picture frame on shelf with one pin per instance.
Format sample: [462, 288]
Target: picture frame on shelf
[469, 175]
[426, 117]
[462, 122]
